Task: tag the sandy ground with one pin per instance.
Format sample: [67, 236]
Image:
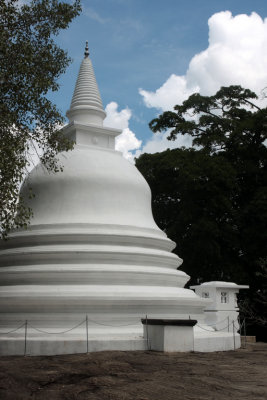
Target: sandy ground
[240, 374]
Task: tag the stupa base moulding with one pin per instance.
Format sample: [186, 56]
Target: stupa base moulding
[37, 345]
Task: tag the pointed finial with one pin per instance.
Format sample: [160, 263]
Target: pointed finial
[86, 53]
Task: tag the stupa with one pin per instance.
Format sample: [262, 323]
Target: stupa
[93, 262]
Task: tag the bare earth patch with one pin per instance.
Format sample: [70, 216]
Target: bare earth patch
[116, 375]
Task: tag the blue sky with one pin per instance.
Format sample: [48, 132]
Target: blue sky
[140, 44]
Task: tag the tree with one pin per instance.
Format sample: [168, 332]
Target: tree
[31, 63]
[191, 194]
[250, 309]
[211, 199]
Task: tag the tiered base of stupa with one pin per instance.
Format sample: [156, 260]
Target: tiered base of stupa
[78, 288]
[72, 343]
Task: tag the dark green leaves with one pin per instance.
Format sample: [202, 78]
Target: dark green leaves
[219, 122]
[31, 63]
[211, 199]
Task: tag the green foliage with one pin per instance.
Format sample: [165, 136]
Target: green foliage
[192, 203]
[31, 63]
[211, 199]
[255, 308]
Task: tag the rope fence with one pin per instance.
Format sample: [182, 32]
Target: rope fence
[57, 333]
[68, 330]
[13, 330]
[232, 324]
[218, 330]
[26, 325]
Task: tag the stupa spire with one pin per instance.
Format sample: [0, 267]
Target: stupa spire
[86, 105]
[86, 53]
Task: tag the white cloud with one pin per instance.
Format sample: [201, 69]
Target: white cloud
[172, 92]
[237, 54]
[127, 141]
[92, 14]
[117, 119]
[159, 142]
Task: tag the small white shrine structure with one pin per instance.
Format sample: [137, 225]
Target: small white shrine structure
[223, 310]
[93, 263]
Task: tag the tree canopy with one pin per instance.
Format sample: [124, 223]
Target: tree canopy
[31, 63]
[211, 199]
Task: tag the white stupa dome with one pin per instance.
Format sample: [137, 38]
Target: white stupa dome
[93, 247]
[96, 186]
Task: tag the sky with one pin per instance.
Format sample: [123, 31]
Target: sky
[149, 55]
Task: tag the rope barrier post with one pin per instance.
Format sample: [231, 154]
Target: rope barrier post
[86, 333]
[147, 338]
[25, 338]
[228, 319]
[245, 332]
[234, 333]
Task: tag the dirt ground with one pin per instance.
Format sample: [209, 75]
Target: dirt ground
[116, 375]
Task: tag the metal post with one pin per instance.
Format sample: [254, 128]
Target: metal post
[147, 338]
[245, 332]
[234, 333]
[86, 333]
[25, 338]
[228, 319]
